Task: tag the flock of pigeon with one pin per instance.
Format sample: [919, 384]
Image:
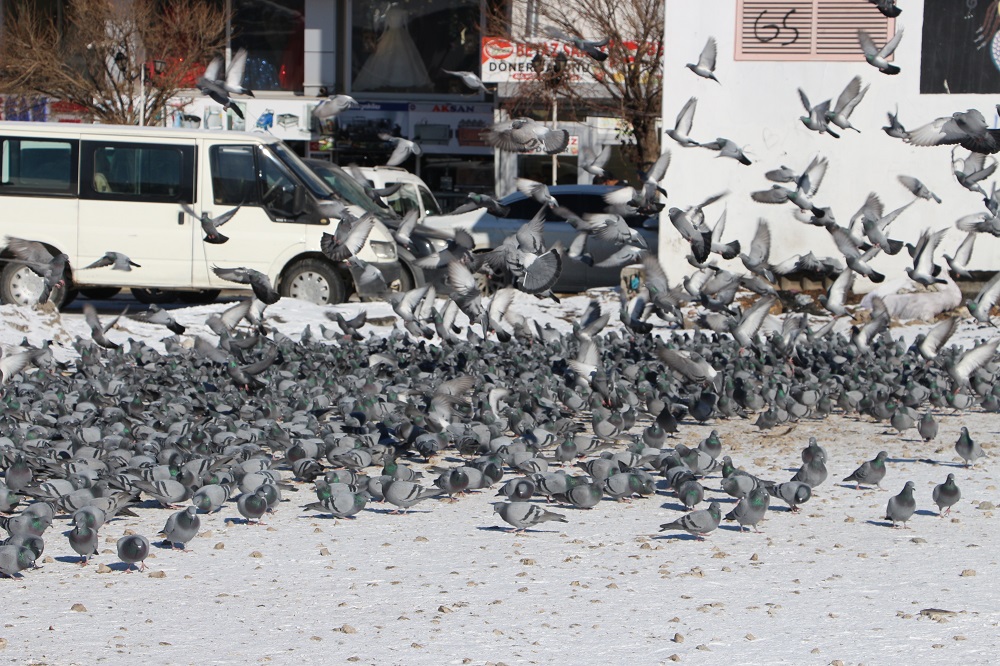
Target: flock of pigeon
[487, 399]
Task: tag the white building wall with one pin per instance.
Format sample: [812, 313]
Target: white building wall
[758, 107]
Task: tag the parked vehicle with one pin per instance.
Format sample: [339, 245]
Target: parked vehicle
[413, 194]
[488, 231]
[84, 190]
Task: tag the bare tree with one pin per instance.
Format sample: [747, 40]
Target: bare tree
[628, 84]
[121, 60]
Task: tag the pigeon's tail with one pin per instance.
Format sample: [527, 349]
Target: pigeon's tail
[744, 159]
[730, 250]
[832, 133]
[876, 277]
[891, 70]
[893, 246]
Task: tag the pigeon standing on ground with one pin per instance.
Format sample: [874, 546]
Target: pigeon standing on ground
[751, 509]
[133, 548]
[404, 494]
[969, 449]
[181, 527]
[946, 495]
[697, 523]
[14, 559]
[522, 515]
[83, 540]
[870, 472]
[901, 506]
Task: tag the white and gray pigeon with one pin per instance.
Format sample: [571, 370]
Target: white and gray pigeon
[404, 494]
[816, 116]
[220, 89]
[522, 515]
[849, 98]
[917, 188]
[946, 495]
[333, 106]
[98, 329]
[879, 57]
[160, 317]
[682, 125]
[401, 149]
[470, 79]
[792, 493]
[132, 549]
[901, 506]
[181, 527]
[117, 261]
[705, 67]
[524, 135]
[697, 523]
[751, 508]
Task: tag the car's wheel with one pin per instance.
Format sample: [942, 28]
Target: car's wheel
[199, 297]
[154, 295]
[406, 279]
[22, 286]
[315, 281]
[100, 293]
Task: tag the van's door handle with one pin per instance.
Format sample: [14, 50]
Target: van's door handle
[180, 218]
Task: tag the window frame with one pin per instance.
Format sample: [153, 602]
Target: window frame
[187, 192]
[72, 190]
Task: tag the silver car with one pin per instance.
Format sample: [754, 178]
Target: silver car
[488, 231]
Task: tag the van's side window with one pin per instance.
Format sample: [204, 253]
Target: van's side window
[118, 171]
[234, 176]
[38, 166]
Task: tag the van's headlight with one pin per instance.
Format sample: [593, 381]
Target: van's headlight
[384, 250]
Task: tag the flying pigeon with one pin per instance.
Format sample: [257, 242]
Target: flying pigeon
[219, 89]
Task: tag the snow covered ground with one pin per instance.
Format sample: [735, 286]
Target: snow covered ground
[447, 584]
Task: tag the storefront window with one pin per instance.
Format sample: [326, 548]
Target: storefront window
[273, 33]
[403, 46]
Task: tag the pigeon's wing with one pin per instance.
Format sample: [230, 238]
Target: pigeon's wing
[659, 167]
[988, 295]
[234, 75]
[912, 184]
[708, 54]
[976, 357]
[753, 318]
[231, 317]
[686, 116]
[720, 227]
[621, 196]
[964, 251]
[854, 101]
[460, 277]
[353, 242]
[465, 208]
[844, 243]
[812, 177]
[224, 217]
[891, 45]
[805, 101]
[627, 254]
[939, 335]
[937, 132]
[400, 153]
[240, 275]
[760, 246]
[90, 316]
[29, 250]
[464, 239]
[529, 234]
[101, 262]
[867, 44]
[847, 95]
[775, 195]
[214, 70]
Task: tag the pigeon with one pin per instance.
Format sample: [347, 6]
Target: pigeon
[133, 548]
[959, 264]
[705, 67]
[404, 494]
[965, 128]
[470, 79]
[895, 128]
[522, 515]
[878, 57]
[792, 493]
[219, 89]
[333, 106]
[595, 165]
[117, 261]
[849, 98]
[728, 148]
[524, 135]
[259, 282]
[401, 148]
[252, 506]
[697, 523]
[210, 225]
[97, 329]
[14, 559]
[341, 504]
[83, 540]
[51, 267]
[751, 508]
[901, 506]
[870, 472]
[816, 116]
[591, 48]
[917, 188]
[682, 125]
[181, 527]
[348, 239]
[888, 8]
[927, 427]
[477, 201]
[968, 449]
[155, 315]
[946, 495]
[813, 472]
[983, 304]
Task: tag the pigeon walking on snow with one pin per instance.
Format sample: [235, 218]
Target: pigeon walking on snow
[901, 506]
[522, 515]
[697, 523]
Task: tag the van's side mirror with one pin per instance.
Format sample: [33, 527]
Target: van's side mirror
[298, 201]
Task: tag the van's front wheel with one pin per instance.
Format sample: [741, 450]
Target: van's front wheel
[315, 281]
[20, 285]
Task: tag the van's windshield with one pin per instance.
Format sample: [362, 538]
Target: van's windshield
[315, 184]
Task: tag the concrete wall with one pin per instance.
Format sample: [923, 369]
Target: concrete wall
[758, 107]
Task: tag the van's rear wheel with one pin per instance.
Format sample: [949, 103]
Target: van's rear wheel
[315, 281]
[20, 285]
[199, 297]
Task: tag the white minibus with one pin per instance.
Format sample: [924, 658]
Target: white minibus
[89, 189]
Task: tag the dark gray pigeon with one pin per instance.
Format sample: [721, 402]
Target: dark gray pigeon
[14, 559]
[259, 282]
[751, 509]
[181, 527]
[901, 506]
[83, 541]
[870, 472]
[133, 548]
[969, 449]
[946, 495]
